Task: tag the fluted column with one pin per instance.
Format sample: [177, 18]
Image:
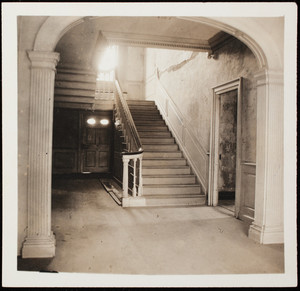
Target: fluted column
[268, 221]
[40, 241]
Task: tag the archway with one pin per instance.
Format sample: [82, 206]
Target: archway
[268, 224]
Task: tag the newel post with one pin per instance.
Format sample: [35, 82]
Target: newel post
[140, 190]
[125, 176]
[40, 241]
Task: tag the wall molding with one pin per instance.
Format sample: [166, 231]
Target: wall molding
[156, 41]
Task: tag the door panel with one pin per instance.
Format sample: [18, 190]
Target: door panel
[90, 158]
[96, 142]
[248, 192]
[65, 141]
[104, 159]
[90, 136]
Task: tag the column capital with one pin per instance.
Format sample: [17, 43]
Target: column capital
[45, 60]
[265, 76]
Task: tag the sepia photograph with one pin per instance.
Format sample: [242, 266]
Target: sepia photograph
[149, 144]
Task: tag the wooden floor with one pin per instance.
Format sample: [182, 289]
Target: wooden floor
[95, 235]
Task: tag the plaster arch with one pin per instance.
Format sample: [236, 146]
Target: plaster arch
[268, 224]
[254, 33]
[249, 31]
[52, 30]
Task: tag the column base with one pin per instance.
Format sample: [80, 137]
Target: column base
[266, 235]
[39, 247]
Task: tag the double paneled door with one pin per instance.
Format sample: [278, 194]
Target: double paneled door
[96, 142]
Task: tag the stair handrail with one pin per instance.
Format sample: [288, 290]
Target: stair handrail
[135, 144]
[132, 157]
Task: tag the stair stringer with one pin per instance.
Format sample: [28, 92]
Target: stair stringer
[182, 147]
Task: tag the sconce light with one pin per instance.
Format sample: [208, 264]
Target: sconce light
[104, 121]
[91, 121]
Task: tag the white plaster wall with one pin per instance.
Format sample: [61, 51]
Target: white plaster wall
[27, 30]
[188, 78]
[131, 71]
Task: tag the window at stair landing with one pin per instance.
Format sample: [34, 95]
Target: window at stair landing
[106, 73]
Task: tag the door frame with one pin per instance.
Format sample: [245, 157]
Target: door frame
[213, 195]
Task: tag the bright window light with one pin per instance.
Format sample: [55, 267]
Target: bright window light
[104, 121]
[108, 59]
[91, 121]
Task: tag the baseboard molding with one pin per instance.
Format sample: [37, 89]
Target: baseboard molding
[266, 235]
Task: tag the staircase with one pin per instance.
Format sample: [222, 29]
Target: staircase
[167, 177]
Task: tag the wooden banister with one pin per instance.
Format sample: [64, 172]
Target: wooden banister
[132, 156]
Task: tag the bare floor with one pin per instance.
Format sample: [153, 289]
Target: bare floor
[95, 235]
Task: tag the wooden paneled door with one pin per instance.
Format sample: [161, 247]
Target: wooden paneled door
[96, 142]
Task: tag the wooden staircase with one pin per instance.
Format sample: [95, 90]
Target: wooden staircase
[167, 177]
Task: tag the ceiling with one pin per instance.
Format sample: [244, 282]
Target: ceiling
[79, 45]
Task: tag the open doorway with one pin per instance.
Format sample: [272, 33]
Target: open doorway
[224, 175]
[227, 149]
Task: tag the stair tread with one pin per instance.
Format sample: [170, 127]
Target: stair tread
[153, 131]
[166, 158]
[151, 128]
[169, 176]
[171, 185]
[162, 151]
[167, 167]
[177, 195]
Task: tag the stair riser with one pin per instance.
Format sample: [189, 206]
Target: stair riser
[145, 117]
[175, 201]
[158, 140]
[164, 162]
[169, 181]
[147, 109]
[154, 134]
[150, 123]
[149, 155]
[145, 112]
[140, 102]
[149, 118]
[166, 171]
[170, 190]
[145, 105]
[152, 128]
[161, 147]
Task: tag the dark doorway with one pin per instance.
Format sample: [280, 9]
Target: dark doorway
[227, 149]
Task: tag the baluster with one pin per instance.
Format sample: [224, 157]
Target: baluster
[140, 190]
[134, 178]
[125, 176]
